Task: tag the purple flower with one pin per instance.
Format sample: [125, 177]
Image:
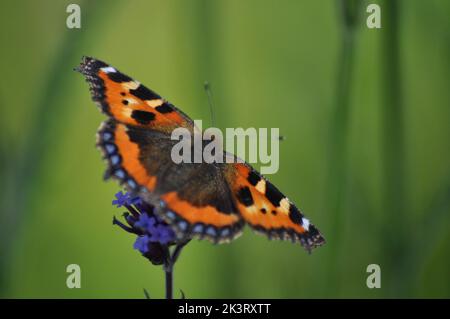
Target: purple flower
[141, 244]
[145, 222]
[154, 235]
[125, 200]
[165, 234]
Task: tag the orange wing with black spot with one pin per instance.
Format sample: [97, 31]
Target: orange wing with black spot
[268, 211]
[127, 100]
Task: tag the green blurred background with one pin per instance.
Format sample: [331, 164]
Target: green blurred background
[365, 113]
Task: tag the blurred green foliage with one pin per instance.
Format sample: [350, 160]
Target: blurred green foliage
[367, 156]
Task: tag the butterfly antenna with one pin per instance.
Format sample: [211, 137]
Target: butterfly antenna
[208, 91]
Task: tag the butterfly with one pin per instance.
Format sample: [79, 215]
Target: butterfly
[203, 200]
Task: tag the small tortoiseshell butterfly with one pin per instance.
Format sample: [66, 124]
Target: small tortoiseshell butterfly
[204, 200]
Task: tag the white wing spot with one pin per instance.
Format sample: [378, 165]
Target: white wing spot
[305, 223]
[109, 69]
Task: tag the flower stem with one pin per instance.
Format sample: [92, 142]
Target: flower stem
[168, 267]
[169, 283]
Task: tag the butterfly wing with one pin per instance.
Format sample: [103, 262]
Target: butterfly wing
[194, 198]
[127, 101]
[136, 142]
[268, 211]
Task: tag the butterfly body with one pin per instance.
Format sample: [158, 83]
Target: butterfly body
[204, 200]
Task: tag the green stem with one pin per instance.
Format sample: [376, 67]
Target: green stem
[339, 138]
[169, 282]
[393, 149]
[169, 263]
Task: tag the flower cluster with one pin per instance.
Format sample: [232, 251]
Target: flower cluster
[154, 235]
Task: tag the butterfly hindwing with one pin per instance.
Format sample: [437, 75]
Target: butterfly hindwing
[123, 157]
[191, 197]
